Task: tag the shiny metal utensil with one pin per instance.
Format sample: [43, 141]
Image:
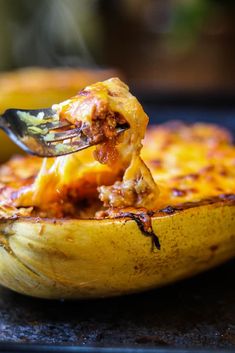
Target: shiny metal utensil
[38, 132]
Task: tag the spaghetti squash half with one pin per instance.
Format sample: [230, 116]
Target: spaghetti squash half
[117, 218]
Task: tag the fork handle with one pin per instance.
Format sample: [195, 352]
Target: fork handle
[3, 123]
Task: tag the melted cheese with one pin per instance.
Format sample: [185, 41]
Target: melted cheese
[189, 163]
[97, 109]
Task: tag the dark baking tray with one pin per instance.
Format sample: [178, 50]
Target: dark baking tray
[195, 313]
[198, 313]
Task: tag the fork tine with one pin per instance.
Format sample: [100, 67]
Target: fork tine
[72, 133]
[57, 125]
[65, 135]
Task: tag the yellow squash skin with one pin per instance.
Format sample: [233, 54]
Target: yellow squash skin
[76, 259]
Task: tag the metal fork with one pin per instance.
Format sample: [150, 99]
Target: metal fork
[35, 132]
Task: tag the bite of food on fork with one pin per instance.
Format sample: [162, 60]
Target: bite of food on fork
[59, 130]
[104, 115]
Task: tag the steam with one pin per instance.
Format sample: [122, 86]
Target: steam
[57, 32]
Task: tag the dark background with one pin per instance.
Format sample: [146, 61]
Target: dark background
[165, 46]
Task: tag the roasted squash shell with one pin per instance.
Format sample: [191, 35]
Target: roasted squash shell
[99, 258]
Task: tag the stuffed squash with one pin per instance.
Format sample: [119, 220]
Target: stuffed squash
[117, 218]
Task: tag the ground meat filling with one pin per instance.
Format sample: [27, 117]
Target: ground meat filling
[106, 128]
[102, 127]
[121, 193]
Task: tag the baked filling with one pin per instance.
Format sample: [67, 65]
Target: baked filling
[181, 163]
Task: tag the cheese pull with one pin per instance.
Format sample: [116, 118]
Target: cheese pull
[112, 171]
